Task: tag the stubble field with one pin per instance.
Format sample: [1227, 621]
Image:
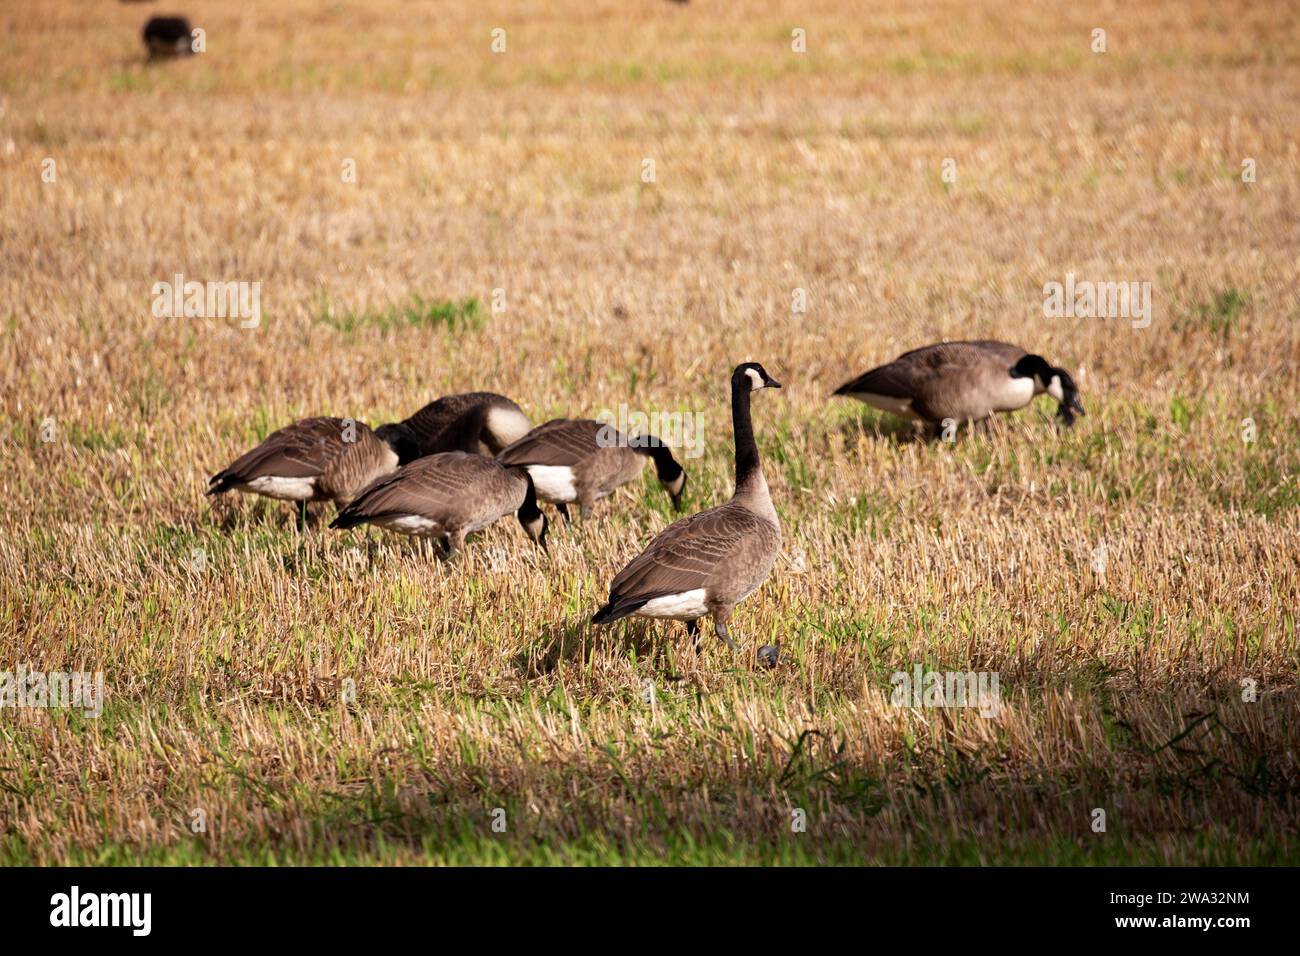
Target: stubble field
[230, 643]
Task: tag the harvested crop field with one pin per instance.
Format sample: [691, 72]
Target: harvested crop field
[614, 210]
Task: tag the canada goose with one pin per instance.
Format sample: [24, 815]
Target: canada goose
[584, 460]
[432, 426]
[711, 561]
[316, 459]
[167, 37]
[450, 494]
[445, 497]
[963, 382]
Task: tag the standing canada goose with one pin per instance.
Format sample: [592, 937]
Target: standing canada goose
[450, 494]
[963, 382]
[168, 37]
[710, 562]
[434, 426]
[584, 460]
[316, 459]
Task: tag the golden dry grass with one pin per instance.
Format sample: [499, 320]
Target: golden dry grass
[479, 689]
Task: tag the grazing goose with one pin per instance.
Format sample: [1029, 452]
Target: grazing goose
[584, 460]
[432, 427]
[168, 36]
[448, 495]
[711, 561]
[964, 382]
[316, 459]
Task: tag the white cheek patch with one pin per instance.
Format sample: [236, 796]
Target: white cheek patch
[1055, 390]
[755, 378]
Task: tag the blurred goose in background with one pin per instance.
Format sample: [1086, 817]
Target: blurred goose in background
[316, 459]
[584, 460]
[963, 382]
[711, 561]
[168, 37]
[449, 495]
[434, 427]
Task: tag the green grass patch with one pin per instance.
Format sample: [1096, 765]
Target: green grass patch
[416, 312]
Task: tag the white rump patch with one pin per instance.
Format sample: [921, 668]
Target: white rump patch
[410, 524]
[554, 483]
[284, 489]
[686, 606]
[886, 403]
[506, 425]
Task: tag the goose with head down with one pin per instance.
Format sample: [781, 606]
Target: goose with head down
[582, 461]
[449, 495]
[434, 427]
[316, 459]
[964, 382]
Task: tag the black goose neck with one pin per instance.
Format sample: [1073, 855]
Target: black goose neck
[747, 464]
[465, 433]
[666, 466]
[528, 509]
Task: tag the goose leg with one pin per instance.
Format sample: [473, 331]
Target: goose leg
[720, 628]
[693, 630]
[563, 509]
[302, 516]
[452, 544]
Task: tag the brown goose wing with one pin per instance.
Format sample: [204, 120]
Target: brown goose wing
[906, 375]
[1003, 352]
[914, 373]
[450, 486]
[301, 450]
[561, 441]
[359, 462]
[953, 379]
[896, 380]
[686, 555]
[963, 353]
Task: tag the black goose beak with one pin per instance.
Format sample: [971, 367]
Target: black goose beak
[1067, 409]
[770, 382]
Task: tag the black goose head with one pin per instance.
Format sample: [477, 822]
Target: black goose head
[754, 375]
[401, 439]
[1054, 381]
[531, 518]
